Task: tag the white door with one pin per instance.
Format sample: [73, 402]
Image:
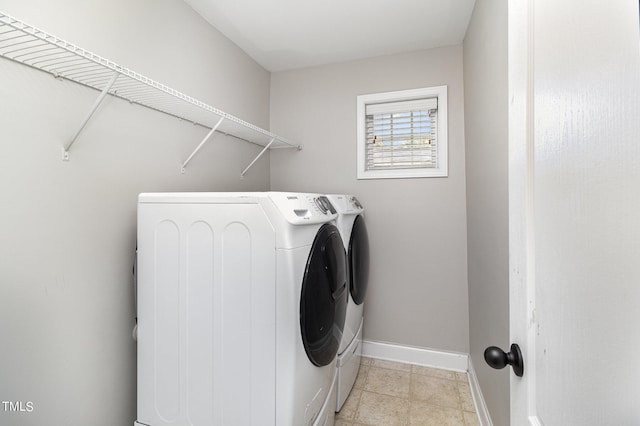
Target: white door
[574, 77]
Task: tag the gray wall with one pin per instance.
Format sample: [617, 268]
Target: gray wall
[67, 230]
[486, 130]
[417, 227]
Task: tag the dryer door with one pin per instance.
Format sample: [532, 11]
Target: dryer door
[359, 260]
[323, 302]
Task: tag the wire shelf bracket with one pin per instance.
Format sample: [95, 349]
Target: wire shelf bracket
[256, 159]
[206, 138]
[65, 152]
[35, 48]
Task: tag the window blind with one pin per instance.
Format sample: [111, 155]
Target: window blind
[402, 134]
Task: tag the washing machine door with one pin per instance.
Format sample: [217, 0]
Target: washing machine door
[323, 302]
[358, 260]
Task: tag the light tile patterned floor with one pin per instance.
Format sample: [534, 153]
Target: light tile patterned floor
[390, 393]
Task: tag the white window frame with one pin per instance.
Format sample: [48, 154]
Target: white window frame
[439, 92]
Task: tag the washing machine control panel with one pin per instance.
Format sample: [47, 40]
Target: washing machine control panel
[355, 203]
[324, 205]
[300, 208]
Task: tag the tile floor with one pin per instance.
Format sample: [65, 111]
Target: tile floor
[390, 393]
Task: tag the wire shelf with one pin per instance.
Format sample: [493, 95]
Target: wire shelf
[31, 46]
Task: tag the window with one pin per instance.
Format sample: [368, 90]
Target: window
[403, 134]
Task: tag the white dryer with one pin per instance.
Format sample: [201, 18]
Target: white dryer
[241, 307]
[351, 225]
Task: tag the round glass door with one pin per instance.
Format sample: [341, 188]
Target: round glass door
[323, 301]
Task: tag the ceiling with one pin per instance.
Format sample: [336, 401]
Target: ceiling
[289, 34]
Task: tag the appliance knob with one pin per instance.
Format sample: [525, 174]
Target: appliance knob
[356, 203]
[320, 205]
[325, 203]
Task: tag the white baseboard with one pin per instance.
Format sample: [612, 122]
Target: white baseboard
[478, 400]
[411, 355]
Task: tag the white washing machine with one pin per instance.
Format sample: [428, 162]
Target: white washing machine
[351, 225]
[241, 307]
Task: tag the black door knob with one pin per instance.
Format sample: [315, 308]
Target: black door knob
[496, 358]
